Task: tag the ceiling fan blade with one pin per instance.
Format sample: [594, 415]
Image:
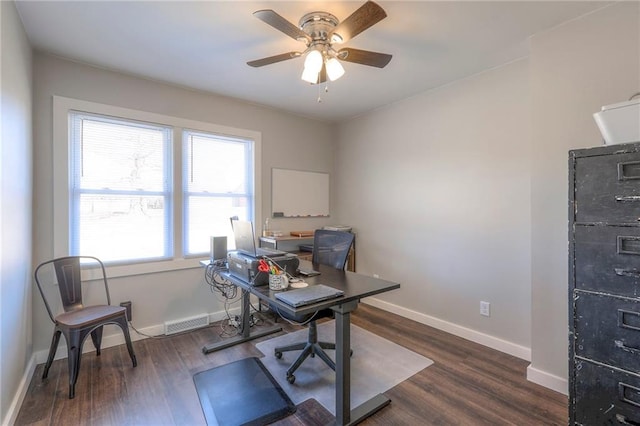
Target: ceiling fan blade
[364, 57]
[270, 17]
[273, 59]
[367, 15]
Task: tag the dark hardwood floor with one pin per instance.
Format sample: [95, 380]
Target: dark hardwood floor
[468, 384]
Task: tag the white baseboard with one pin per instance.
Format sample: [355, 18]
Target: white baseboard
[14, 408]
[556, 383]
[493, 342]
[534, 375]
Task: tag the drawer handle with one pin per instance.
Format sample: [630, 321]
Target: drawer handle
[627, 198]
[622, 394]
[629, 170]
[634, 273]
[628, 244]
[626, 421]
[624, 347]
[629, 319]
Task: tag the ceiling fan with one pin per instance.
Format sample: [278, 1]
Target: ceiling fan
[319, 31]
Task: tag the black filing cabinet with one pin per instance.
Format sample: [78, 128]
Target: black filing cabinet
[604, 285]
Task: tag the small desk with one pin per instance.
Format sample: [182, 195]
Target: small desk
[355, 287]
[291, 244]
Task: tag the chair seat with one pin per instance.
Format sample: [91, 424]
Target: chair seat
[89, 315]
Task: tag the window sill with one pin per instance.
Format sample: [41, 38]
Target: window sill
[115, 271]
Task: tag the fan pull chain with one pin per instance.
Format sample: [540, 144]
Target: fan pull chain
[326, 90]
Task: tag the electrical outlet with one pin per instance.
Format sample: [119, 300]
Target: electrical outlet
[127, 305]
[485, 309]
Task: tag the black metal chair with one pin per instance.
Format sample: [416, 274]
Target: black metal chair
[72, 318]
[330, 248]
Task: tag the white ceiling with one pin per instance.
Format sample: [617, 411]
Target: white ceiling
[205, 45]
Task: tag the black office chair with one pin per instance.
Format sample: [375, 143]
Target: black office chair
[330, 248]
[73, 319]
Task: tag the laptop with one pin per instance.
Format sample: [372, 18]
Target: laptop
[246, 243]
[308, 295]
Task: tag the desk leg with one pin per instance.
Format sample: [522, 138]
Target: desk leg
[344, 414]
[343, 367]
[246, 334]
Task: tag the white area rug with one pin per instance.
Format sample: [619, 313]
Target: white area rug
[377, 365]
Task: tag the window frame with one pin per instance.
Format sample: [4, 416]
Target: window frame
[77, 190]
[186, 167]
[61, 178]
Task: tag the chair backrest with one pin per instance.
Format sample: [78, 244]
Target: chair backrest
[66, 274]
[331, 248]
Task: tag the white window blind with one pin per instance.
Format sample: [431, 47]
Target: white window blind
[120, 188]
[218, 183]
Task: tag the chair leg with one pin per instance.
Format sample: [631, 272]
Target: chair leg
[52, 352]
[322, 354]
[122, 322]
[295, 347]
[74, 356]
[327, 345]
[308, 350]
[96, 337]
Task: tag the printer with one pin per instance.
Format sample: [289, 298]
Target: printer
[245, 267]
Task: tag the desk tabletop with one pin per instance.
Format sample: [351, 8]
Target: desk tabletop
[355, 286]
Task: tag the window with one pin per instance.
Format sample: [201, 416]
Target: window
[218, 181]
[121, 186]
[142, 187]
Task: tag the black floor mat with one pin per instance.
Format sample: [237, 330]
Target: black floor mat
[241, 393]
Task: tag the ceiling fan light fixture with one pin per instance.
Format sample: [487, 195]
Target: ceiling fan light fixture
[335, 69]
[318, 31]
[309, 75]
[313, 61]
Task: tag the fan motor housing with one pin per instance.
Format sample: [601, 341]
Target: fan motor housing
[318, 24]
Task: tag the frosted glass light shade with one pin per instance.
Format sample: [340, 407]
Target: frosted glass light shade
[334, 69]
[309, 75]
[313, 61]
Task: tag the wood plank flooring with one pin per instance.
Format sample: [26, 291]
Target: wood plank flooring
[468, 384]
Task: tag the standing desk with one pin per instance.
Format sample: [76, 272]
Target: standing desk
[355, 287]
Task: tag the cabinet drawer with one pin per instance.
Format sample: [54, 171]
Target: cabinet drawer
[605, 396]
[607, 330]
[607, 258]
[607, 188]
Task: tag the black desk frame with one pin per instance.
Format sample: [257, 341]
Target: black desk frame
[245, 328]
[355, 287]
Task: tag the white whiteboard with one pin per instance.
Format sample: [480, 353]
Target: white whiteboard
[296, 193]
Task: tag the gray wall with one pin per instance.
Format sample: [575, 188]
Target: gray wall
[438, 188]
[575, 69]
[288, 141]
[15, 208]
[461, 193]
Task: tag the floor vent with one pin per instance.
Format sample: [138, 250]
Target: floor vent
[173, 327]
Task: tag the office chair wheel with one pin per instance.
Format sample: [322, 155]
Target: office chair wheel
[278, 354]
[291, 379]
